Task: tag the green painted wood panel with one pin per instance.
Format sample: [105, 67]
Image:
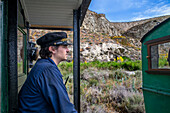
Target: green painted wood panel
[4, 63]
[1, 15]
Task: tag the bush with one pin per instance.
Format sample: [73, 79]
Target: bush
[132, 66]
[111, 91]
[93, 82]
[67, 68]
[163, 62]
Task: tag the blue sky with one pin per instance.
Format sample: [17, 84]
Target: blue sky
[130, 10]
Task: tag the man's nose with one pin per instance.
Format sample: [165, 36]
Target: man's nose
[67, 50]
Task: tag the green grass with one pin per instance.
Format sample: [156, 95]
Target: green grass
[127, 65]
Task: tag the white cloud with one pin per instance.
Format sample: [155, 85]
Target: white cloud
[138, 3]
[125, 9]
[158, 10]
[140, 18]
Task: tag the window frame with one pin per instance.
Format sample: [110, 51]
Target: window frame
[153, 42]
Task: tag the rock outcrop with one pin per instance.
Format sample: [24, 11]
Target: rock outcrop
[97, 42]
[94, 22]
[106, 52]
[139, 30]
[98, 23]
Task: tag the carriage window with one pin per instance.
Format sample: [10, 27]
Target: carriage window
[20, 55]
[160, 56]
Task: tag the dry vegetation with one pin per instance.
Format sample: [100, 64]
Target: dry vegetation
[107, 90]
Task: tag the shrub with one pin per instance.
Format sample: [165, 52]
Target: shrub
[67, 68]
[132, 66]
[163, 62]
[118, 92]
[93, 82]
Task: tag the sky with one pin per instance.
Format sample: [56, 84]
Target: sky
[130, 10]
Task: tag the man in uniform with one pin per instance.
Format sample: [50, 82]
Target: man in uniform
[44, 90]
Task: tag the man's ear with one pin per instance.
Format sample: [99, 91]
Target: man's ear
[51, 49]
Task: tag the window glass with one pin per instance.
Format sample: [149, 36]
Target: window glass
[20, 55]
[21, 22]
[160, 56]
[154, 56]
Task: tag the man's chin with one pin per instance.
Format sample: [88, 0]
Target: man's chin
[64, 60]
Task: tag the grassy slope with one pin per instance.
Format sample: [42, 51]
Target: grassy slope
[107, 87]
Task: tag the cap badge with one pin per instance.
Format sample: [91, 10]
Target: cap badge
[64, 39]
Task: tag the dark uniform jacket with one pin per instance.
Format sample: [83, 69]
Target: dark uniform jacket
[44, 91]
[168, 57]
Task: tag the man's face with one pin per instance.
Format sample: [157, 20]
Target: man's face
[62, 53]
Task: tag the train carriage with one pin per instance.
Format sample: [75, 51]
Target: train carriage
[156, 68]
[17, 17]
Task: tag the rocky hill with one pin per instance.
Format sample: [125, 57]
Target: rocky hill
[94, 22]
[139, 30]
[104, 41]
